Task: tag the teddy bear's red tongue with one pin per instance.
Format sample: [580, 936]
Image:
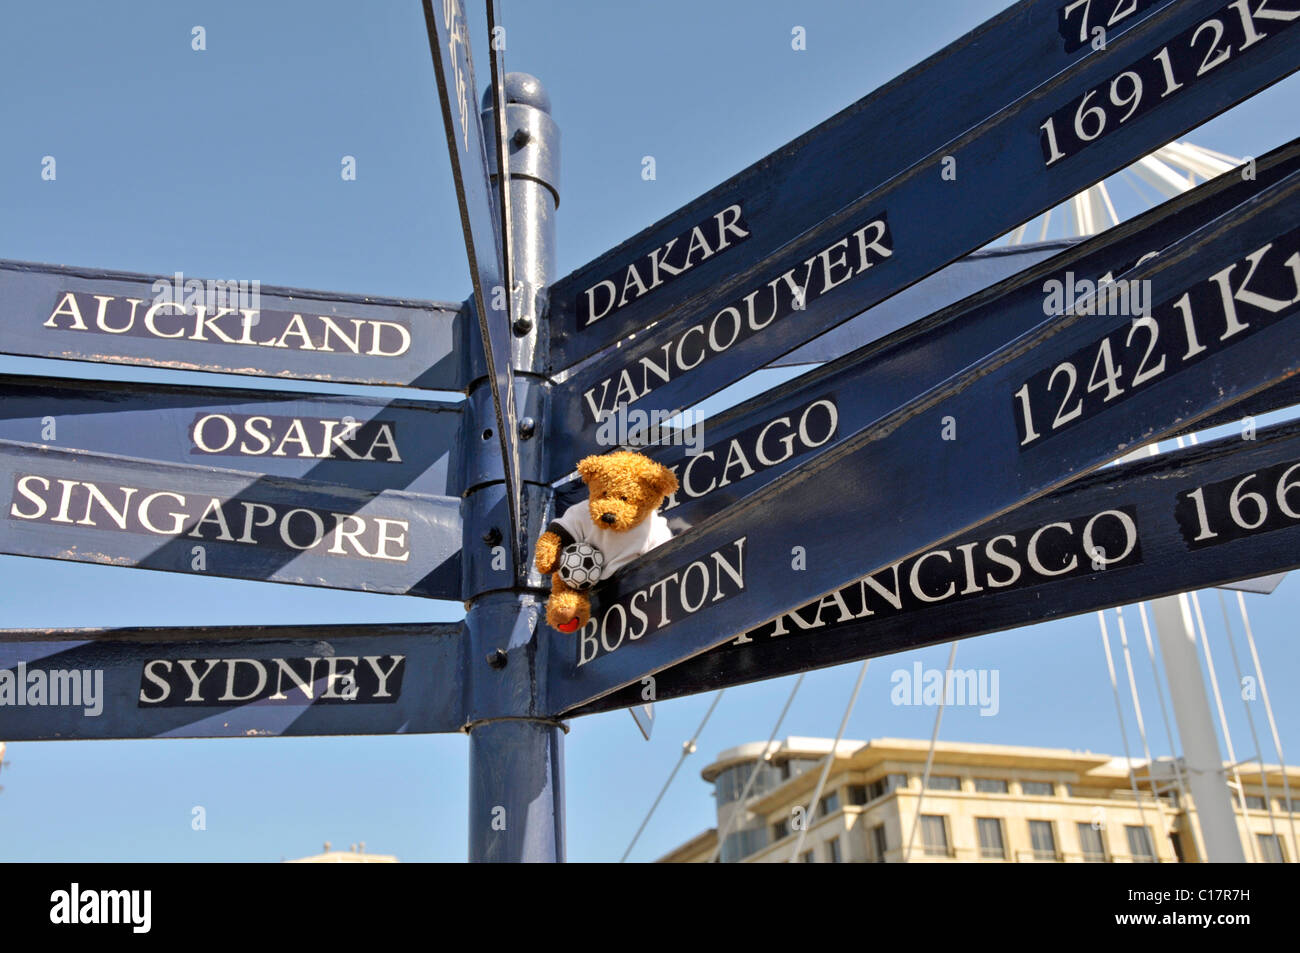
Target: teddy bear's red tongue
[570, 626]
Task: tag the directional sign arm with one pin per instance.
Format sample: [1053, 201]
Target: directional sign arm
[1116, 536]
[359, 442]
[750, 445]
[228, 327]
[903, 230]
[230, 681]
[734, 227]
[89, 507]
[904, 488]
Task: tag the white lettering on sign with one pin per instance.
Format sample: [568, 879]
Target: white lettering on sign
[1079, 546]
[788, 293]
[152, 512]
[295, 331]
[754, 450]
[718, 233]
[1203, 321]
[237, 681]
[709, 579]
[259, 435]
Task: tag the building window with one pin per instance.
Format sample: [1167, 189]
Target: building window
[829, 804]
[1139, 844]
[740, 844]
[992, 843]
[934, 834]
[806, 857]
[791, 767]
[879, 843]
[944, 782]
[990, 786]
[780, 829]
[1270, 849]
[728, 784]
[1091, 844]
[1282, 805]
[1036, 788]
[833, 848]
[857, 794]
[882, 786]
[1255, 803]
[1043, 840]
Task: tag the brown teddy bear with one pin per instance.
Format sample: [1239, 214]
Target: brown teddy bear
[621, 519]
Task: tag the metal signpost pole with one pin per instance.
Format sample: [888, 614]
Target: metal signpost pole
[516, 761]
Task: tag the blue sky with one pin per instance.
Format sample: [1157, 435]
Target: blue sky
[225, 163]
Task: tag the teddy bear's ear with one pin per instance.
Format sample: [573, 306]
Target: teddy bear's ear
[664, 481]
[589, 467]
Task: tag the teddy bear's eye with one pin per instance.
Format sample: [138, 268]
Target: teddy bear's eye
[623, 498]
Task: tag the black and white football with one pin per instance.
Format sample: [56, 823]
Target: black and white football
[580, 565]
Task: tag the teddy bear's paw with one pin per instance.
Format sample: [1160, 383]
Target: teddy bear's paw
[568, 611]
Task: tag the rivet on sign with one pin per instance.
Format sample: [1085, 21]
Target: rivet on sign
[497, 659]
[523, 326]
[527, 427]
[521, 138]
[492, 536]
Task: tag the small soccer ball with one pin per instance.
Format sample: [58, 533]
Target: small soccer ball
[580, 566]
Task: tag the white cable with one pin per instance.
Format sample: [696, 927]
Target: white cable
[1105, 197]
[1141, 723]
[826, 768]
[1119, 710]
[1272, 725]
[687, 749]
[929, 758]
[758, 766]
[1133, 689]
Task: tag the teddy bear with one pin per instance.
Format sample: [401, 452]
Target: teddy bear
[621, 519]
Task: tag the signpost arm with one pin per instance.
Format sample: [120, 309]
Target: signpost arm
[516, 760]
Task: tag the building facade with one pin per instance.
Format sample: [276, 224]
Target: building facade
[981, 804]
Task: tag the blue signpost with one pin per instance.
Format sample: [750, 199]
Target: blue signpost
[891, 237]
[1082, 389]
[731, 236]
[359, 442]
[231, 682]
[935, 482]
[229, 327]
[90, 507]
[753, 443]
[1120, 535]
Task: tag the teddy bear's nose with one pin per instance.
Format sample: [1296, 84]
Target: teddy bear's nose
[608, 518]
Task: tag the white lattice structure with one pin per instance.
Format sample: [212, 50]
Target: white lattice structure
[1170, 170]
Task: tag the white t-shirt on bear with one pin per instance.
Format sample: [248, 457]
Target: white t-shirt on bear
[618, 548]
